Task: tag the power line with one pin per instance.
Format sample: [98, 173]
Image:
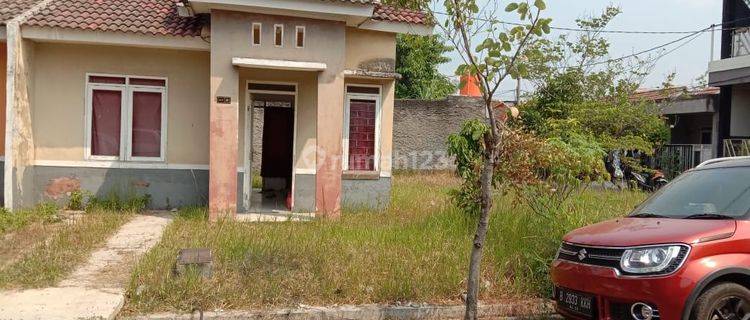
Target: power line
[695, 33]
[714, 27]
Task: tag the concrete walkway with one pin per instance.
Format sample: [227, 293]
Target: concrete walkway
[531, 309]
[96, 289]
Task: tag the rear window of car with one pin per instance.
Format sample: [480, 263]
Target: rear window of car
[724, 191]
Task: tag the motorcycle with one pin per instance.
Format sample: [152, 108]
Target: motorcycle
[625, 170]
[647, 181]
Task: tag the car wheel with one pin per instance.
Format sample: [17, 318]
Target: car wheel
[725, 301]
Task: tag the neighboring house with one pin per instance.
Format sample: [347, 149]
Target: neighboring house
[158, 97]
[732, 75]
[691, 115]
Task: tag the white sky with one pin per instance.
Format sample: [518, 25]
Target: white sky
[689, 62]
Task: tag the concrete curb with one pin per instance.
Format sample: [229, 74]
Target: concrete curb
[537, 309]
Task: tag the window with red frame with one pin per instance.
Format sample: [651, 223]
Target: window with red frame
[126, 117]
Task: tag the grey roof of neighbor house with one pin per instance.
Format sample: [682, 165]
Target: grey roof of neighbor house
[675, 93]
[9, 9]
[156, 17]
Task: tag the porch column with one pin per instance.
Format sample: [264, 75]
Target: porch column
[329, 141]
[223, 131]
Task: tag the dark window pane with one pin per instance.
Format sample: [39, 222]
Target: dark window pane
[148, 82]
[706, 136]
[105, 122]
[279, 35]
[105, 79]
[256, 34]
[300, 37]
[367, 90]
[271, 87]
[146, 136]
[362, 135]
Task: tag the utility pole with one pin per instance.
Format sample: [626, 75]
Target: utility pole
[713, 29]
[518, 90]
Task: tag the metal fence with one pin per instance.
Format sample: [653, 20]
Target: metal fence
[736, 147]
[674, 159]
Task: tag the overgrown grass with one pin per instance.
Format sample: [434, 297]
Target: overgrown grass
[42, 245]
[12, 221]
[417, 250]
[58, 254]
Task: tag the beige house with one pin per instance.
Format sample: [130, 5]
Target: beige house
[168, 98]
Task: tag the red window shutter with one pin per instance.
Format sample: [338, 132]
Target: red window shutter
[146, 135]
[105, 122]
[362, 135]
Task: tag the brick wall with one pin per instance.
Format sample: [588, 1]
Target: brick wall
[421, 129]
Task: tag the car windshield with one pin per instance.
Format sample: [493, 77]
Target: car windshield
[712, 193]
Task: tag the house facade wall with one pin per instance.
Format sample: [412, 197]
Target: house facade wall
[740, 111]
[60, 97]
[59, 165]
[49, 155]
[367, 49]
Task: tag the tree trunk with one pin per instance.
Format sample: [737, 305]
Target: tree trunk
[472, 295]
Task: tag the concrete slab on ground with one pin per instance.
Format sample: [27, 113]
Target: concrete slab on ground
[533, 309]
[60, 303]
[97, 288]
[274, 217]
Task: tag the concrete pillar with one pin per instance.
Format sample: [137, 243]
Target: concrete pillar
[329, 154]
[224, 132]
[19, 137]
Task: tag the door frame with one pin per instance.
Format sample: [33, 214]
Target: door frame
[247, 177]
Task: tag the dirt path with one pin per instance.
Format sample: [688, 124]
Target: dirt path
[96, 289]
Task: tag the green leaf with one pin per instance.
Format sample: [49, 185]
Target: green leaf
[511, 7]
[545, 28]
[540, 4]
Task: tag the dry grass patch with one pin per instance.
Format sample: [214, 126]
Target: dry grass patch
[416, 250]
[42, 252]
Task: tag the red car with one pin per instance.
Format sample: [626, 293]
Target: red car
[682, 254]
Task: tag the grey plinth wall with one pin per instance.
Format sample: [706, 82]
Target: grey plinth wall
[304, 193]
[168, 188]
[421, 129]
[372, 194]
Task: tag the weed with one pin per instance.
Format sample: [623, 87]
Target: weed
[77, 199]
[115, 202]
[43, 213]
[415, 250]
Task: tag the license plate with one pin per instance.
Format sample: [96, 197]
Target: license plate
[576, 302]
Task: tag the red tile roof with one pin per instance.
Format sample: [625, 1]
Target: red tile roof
[9, 9]
[389, 13]
[156, 17]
